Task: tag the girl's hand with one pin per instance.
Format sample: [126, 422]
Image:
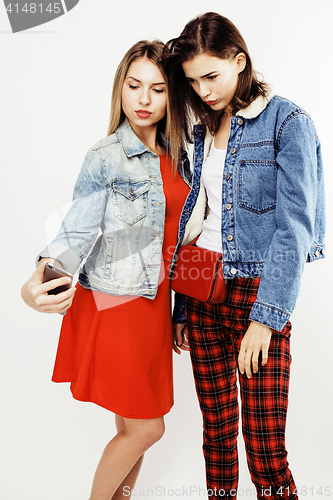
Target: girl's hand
[179, 337]
[34, 291]
[257, 338]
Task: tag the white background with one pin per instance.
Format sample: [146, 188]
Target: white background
[55, 96]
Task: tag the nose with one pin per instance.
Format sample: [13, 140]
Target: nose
[204, 90]
[145, 97]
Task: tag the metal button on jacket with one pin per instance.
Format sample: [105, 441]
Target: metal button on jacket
[227, 177]
[233, 271]
[230, 237]
[233, 151]
[228, 207]
[240, 121]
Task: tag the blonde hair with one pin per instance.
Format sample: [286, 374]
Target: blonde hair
[152, 51]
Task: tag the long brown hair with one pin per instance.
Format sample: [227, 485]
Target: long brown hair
[214, 35]
[152, 51]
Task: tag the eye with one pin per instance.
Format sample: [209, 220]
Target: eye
[133, 86]
[212, 77]
[190, 81]
[159, 91]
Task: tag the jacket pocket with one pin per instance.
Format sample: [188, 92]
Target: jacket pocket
[257, 185]
[130, 200]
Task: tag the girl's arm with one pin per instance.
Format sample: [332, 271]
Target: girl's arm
[74, 239]
[84, 219]
[299, 199]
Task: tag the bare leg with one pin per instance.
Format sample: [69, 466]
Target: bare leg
[130, 479]
[122, 453]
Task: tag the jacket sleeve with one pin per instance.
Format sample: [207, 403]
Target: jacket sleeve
[179, 309]
[83, 220]
[299, 161]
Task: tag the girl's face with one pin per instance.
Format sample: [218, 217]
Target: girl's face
[214, 79]
[143, 95]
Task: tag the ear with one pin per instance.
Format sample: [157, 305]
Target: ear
[240, 61]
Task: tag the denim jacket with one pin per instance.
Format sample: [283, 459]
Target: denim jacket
[273, 212]
[116, 221]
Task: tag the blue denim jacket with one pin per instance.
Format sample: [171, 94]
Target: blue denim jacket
[116, 221]
[273, 213]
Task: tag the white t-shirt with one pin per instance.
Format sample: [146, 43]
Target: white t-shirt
[212, 173]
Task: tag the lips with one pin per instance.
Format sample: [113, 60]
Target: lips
[210, 103]
[143, 113]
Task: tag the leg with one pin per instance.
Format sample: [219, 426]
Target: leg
[130, 480]
[122, 454]
[264, 412]
[214, 369]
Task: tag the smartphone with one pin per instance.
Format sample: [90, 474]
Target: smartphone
[53, 272]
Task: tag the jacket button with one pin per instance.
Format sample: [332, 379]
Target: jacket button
[228, 207]
[323, 251]
[230, 237]
[233, 151]
[233, 271]
[240, 121]
[228, 176]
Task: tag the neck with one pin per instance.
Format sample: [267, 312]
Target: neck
[148, 136]
[223, 131]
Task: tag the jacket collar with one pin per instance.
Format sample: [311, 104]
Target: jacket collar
[251, 111]
[256, 107]
[129, 140]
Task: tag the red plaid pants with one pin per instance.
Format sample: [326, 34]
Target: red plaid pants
[215, 335]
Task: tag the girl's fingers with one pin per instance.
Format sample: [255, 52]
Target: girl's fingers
[51, 285]
[247, 364]
[255, 360]
[54, 303]
[241, 359]
[264, 353]
[175, 348]
[58, 307]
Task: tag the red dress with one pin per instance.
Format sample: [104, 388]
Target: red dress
[117, 351]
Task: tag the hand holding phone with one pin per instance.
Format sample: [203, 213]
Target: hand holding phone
[53, 272]
[35, 292]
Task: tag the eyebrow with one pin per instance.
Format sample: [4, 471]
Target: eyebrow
[139, 81]
[203, 76]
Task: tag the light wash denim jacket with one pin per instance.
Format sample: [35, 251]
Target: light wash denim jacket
[273, 212]
[116, 221]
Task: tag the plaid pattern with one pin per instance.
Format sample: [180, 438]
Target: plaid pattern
[215, 335]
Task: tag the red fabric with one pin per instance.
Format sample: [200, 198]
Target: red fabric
[116, 351]
[215, 335]
[198, 273]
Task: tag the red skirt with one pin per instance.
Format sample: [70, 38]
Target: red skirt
[116, 351]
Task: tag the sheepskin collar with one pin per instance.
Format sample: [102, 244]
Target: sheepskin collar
[256, 107]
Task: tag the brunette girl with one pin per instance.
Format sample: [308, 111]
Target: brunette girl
[115, 345]
[257, 197]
